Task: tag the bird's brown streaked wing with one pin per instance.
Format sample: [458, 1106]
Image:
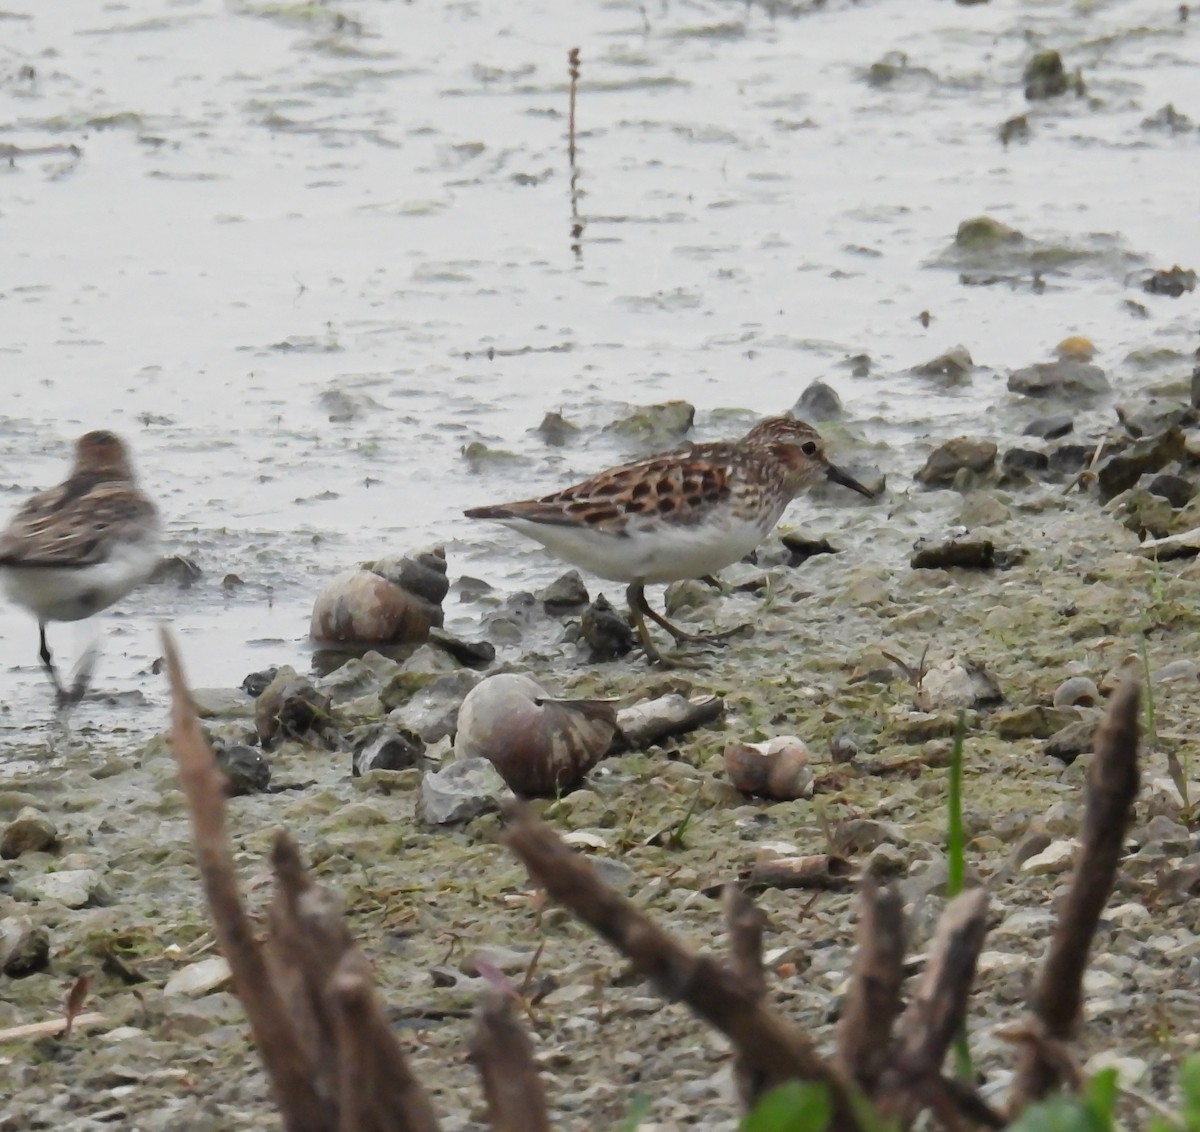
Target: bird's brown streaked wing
[66, 527]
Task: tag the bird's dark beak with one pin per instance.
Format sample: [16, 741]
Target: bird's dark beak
[834, 473]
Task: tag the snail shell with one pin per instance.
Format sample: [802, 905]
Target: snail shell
[777, 769]
[539, 744]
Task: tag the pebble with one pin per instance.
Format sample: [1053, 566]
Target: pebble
[24, 947]
[29, 832]
[199, 978]
[1057, 857]
[74, 888]
[944, 463]
[462, 791]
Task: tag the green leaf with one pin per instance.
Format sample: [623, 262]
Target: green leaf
[1189, 1093]
[791, 1107]
[639, 1108]
[1101, 1097]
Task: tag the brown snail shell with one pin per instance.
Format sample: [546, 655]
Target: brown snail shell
[540, 745]
[362, 607]
[777, 769]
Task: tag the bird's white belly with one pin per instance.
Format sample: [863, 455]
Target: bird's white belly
[64, 593]
[663, 554]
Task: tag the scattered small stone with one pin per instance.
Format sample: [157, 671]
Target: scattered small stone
[1077, 691]
[432, 713]
[566, 594]
[473, 654]
[1045, 76]
[74, 888]
[1033, 721]
[957, 681]
[1176, 490]
[461, 791]
[605, 631]
[1169, 120]
[945, 462]
[1035, 841]
[245, 769]
[29, 832]
[290, 707]
[1077, 347]
[1069, 742]
[1019, 465]
[1120, 472]
[1174, 281]
[801, 548]
[959, 548]
[1057, 857]
[1072, 380]
[385, 748]
[984, 232]
[1014, 129]
[178, 571]
[819, 402]
[199, 978]
[556, 430]
[1182, 671]
[1053, 427]
[24, 947]
[953, 366]
[257, 682]
[656, 426]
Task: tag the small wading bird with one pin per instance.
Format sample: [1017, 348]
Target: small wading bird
[75, 549]
[682, 514]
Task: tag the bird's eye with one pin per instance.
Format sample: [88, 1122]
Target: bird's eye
[809, 448]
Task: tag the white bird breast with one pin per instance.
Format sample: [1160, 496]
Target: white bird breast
[71, 593]
[664, 552]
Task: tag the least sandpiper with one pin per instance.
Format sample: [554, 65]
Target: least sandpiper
[75, 549]
[682, 514]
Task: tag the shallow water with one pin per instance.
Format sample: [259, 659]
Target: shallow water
[274, 202]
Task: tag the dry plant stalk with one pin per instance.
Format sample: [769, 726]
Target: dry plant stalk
[767, 1045]
[744, 922]
[1057, 996]
[573, 71]
[331, 1057]
[503, 1054]
[873, 1000]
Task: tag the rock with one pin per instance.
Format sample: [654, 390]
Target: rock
[1020, 465]
[960, 548]
[1045, 76]
[777, 769]
[199, 978]
[357, 676]
[387, 748]
[566, 594]
[29, 832]
[1120, 472]
[1176, 490]
[946, 461]
[1052, 427]
[471, 654]
[289, 707]
[1069, 742]
[221, 703]
[1076, 691]
[540, 745]
[953, 366]
[819, 402]
[1183, 671]
[1034, 721]
[656, 426]
[245, 769]
[1067, 379]
[556, 430]
[462, 791]
[605, 631]
[257, 682]
[981, 232]
[957, 682]
[1057, 857]
[395, 603]
[433, 713]
[1174, 281]
[74, 888]
[24, 948]
[1067, 459]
